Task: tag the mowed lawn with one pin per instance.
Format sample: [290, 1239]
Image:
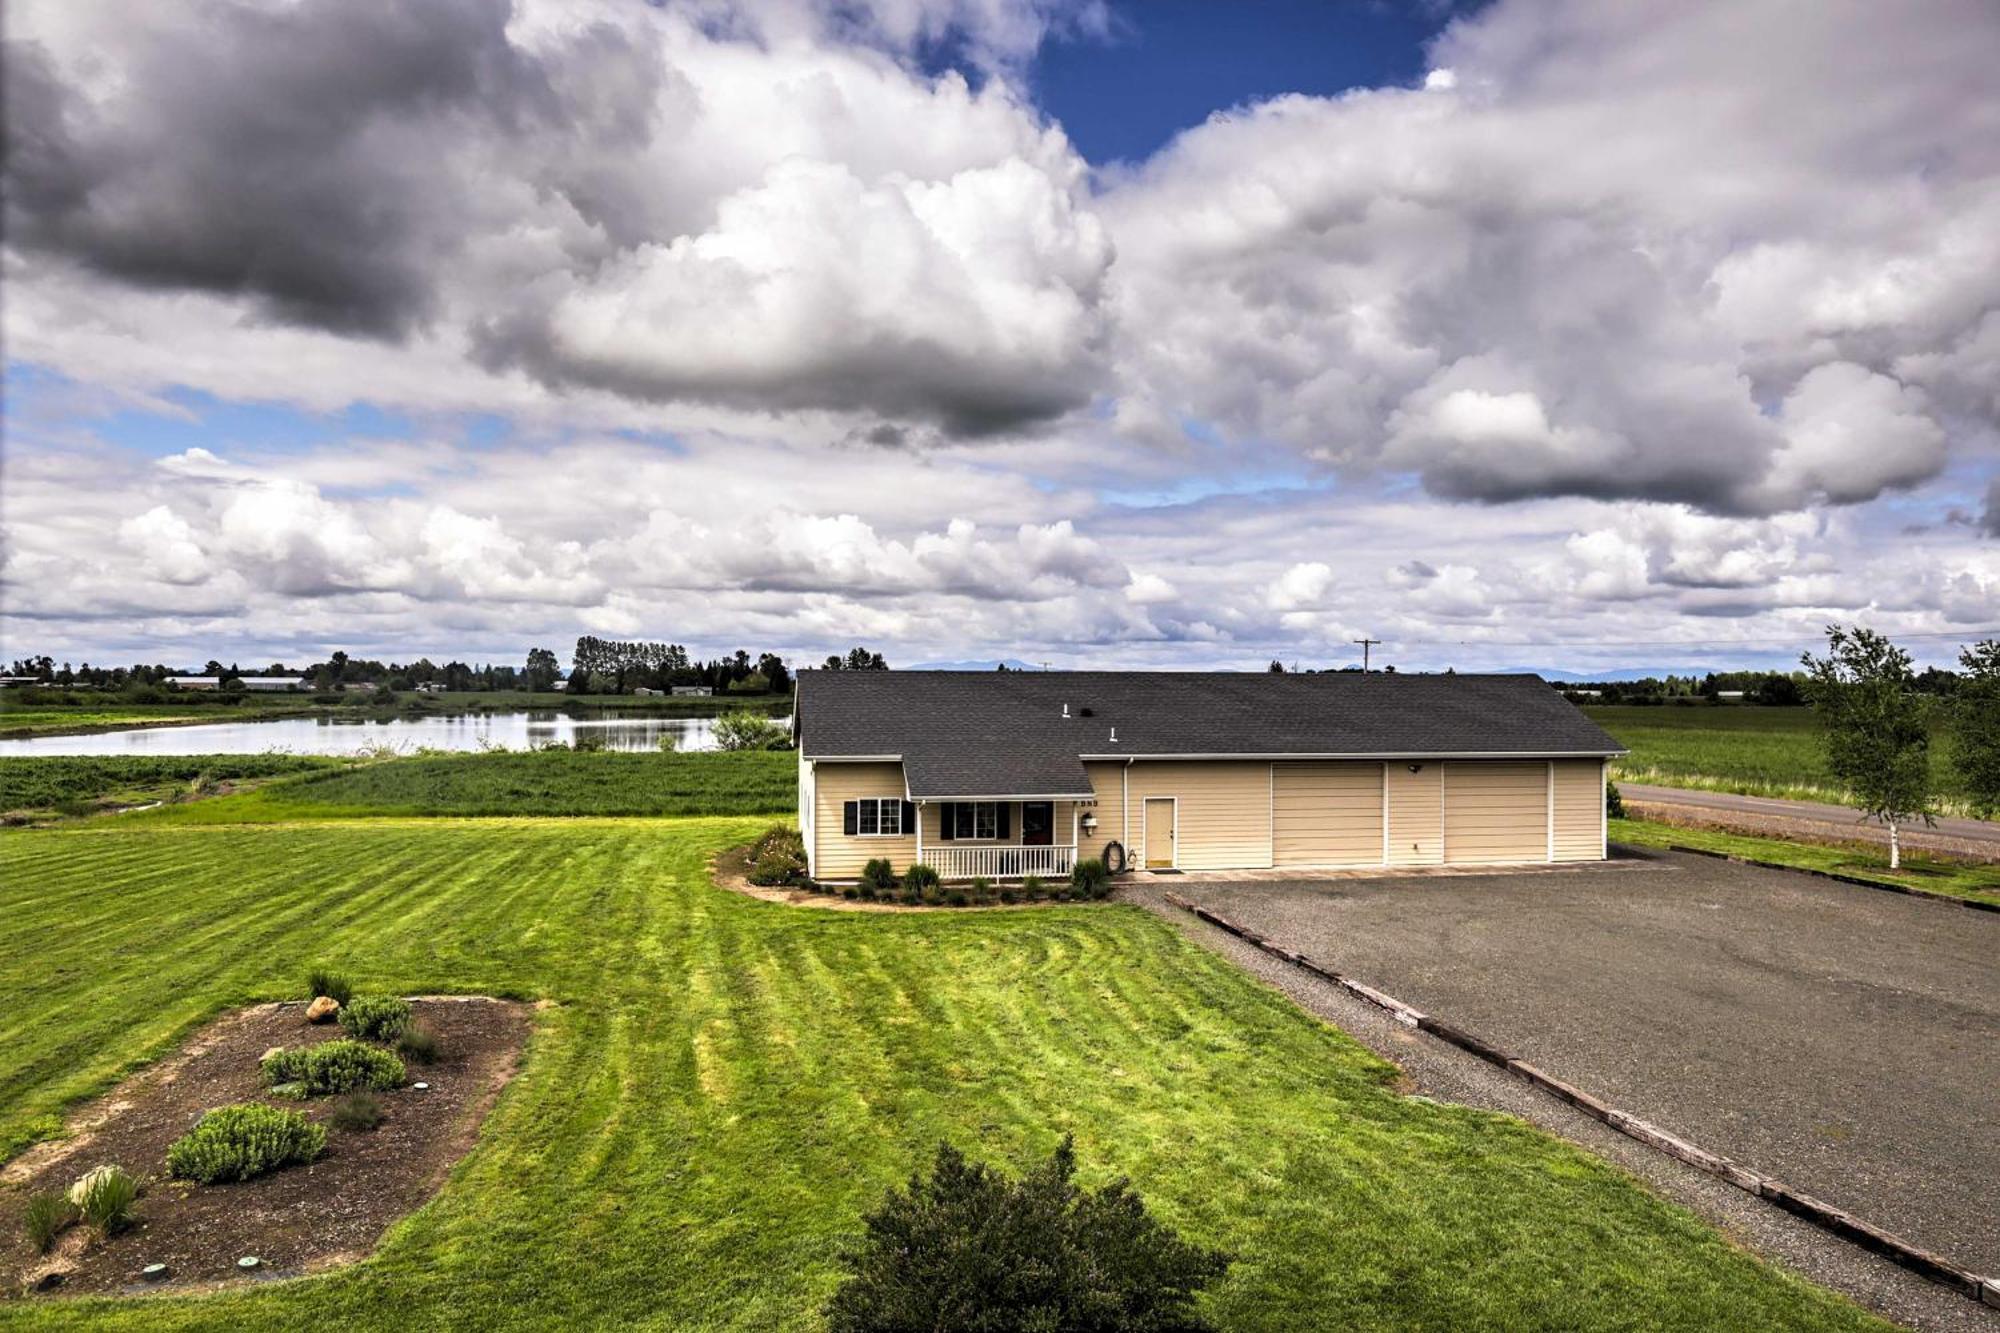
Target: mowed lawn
[720, 1087]
[1753, 750]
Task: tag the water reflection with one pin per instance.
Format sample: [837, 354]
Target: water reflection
[330, 735]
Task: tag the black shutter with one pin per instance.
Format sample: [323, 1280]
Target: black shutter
[1006, 820]
[909, 818]
[850, 818]
[947, 821]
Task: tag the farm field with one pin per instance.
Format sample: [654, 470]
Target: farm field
[720, 1087]
[542, 782]
[79, 784]
[1953, 879]
[1756, 751]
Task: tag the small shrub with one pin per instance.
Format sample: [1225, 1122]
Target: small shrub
[1614, 804]
[334, 1066]
[104, 1198]
[1033, 887]
[909, 897]
[419, 1043]
[1033, 1253]
[1090, 879]
[879, 874]
[982, 889]
[958, 898]
[778, 857]
[323, 981]
[356, 1112]
[865, 891]
[921, 878]
[48, 1216]
[241, 1142]
[850, 893]
[376, 1018]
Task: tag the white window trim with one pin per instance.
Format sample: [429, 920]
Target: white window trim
[879, 801]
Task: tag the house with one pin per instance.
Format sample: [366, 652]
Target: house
[259, 683]
[1006, 774]
[430, 687]
[693, 691]
[648, 691]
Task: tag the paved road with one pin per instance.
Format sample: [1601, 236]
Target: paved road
[1843, 1041]
[1983, 836]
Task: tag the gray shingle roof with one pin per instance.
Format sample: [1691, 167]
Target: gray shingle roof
[1003, 733]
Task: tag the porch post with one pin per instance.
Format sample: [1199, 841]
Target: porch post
[920, 832]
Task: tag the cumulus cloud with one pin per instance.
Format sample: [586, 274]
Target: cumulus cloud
[1593, 256]
[617, 196]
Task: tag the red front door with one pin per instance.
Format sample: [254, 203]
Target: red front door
[1038, 823]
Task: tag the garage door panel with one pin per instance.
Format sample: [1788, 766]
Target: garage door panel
[1326, 814]
[1495, 813]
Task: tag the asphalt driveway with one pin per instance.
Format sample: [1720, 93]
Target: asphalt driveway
[1842, 1040]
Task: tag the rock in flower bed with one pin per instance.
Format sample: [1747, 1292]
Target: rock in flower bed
[330, 1209]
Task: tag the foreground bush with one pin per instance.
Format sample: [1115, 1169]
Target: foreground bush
[778, 857]
[241, 1142]
[878, 875]
[334, 1066]
[969, 1248]
[375, 1018]
[419, 1043]
[920, 880]
[356, 1112]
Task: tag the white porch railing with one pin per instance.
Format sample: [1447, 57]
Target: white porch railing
[994, 862]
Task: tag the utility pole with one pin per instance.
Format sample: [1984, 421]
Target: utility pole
[1366, 644]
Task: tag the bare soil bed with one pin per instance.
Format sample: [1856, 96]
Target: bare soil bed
[297, 1220]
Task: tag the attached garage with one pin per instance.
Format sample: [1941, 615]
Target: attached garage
[1495, 813]
[1326, 814]
[1193, 772]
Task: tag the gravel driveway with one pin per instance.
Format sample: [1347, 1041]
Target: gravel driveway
[1844, 1041]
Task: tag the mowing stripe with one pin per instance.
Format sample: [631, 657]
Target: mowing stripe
[1821, 1214]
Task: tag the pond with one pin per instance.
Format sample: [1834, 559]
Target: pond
[324, 735]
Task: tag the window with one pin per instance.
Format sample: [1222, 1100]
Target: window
[878, 817]
[973, 820]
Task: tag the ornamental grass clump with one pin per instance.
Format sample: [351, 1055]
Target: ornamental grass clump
[778, 858]
[419, 1043]
[356, 1112]
[104, 1198]
[334, 1066]
[243, 1142]
[324, 981]
[879, 875]
[375, 1018]
[48, 1216]
[1090, 879]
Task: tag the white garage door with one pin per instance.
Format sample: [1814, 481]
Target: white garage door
[1495, 813]
[1326, 814]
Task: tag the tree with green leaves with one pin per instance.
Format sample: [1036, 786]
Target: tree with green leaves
[1873, 725]
[1975, 711]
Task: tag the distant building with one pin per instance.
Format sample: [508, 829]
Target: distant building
[7, 681]
[647, 691]
[262, 683]
[1729, 694]
[430, 687]
[692, 690]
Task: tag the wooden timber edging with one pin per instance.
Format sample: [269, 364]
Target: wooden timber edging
[1907, 890]
[1816, 1211]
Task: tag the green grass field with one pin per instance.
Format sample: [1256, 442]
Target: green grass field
[1756, 751]
[543, 782]
[722, 1086]
[1952, 879]
[78, 784]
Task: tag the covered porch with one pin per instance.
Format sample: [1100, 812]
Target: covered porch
[1001, 839]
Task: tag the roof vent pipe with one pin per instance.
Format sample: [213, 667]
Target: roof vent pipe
[1065, 710]
[1114, 735]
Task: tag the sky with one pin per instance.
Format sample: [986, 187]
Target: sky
[1573, 334]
